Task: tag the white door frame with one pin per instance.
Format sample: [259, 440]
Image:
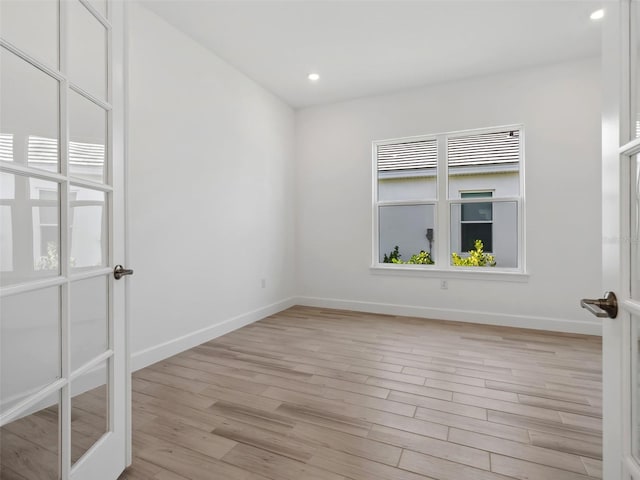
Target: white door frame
[618, 462]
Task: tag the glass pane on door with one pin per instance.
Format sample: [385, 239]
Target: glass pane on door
[89, 320]
[635, 227]
[30, 344]
[635, 383]
[29, 126]
[30, 444]
[30, 236]
[89, 409]
[89, 233]
[87, 138]
[87, 50]
[635, 74]
[32, 25]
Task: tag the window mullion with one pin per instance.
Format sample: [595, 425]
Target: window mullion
[442, 216]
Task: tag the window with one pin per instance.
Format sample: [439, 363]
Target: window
[438, 195]
[476, 222]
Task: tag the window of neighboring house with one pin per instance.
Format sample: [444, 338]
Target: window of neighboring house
[476, 222]
[436, 196]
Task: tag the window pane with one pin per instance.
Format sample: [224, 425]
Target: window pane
[487, 161]
[89, 320]
[499, 237]
[87, 50]
[407, 171]
[407, 227]
[87, 138]
[89, 409]
[30, 445]
[474, 212]
[88, 228]
[29, 344]
[28, 114]
[32, 26]
[470, 232]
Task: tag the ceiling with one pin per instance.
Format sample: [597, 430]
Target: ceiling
[369, 47]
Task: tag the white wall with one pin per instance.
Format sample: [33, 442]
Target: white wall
[211, 190]
[559, 106]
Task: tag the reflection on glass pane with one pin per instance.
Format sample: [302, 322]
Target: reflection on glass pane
[89, 327]
[87, 50]
[635, 27]
[487, 161]
[87, 138]
[30, 444]
[45, 215]
[29, 247]
[89, 409]
[6, 242]
[32, 26]
[28, 114]
[635, 227]
[475, 212]
[29, 341]
[407, 171]
[411, 228]
[635, 385]
[88, 228]
[498, 236]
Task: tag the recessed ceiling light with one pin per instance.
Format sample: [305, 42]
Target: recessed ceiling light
[597, 15]
[314, 77]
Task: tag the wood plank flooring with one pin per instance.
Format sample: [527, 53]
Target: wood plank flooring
[316, 394]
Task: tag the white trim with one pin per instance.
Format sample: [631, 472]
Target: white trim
[127, 231]
[630, 148]
[79, 182]
[468, 316]
[465, 273]
[31, 286]
[20, 169]
[164, 350]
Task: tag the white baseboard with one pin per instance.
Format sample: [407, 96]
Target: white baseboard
[164, 350]
[487, 318]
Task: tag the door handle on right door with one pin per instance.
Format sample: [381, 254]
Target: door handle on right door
[602, 307]
[120, 272]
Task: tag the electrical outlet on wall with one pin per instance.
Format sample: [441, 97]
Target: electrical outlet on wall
[444, 284]
[263, 283]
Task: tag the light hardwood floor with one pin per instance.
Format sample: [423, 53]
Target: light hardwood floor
[324, 394]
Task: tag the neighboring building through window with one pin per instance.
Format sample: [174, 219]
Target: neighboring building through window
[476, 222]
[436, 195]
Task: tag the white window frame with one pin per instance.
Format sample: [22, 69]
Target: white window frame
[442, 215]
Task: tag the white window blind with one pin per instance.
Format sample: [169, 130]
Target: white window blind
[44, 150]
[6, 147]
[407, 156]
[484, 149]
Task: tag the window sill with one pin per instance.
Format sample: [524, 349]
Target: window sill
[465, 273]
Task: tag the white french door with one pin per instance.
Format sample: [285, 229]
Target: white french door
[621, 238]
[63, 373]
